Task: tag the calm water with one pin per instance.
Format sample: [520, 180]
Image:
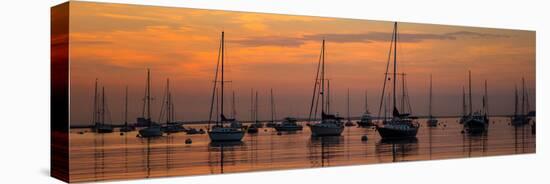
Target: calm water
[114, 156]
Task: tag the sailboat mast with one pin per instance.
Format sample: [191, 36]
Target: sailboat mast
[463, 102]
[96, 110]
[366, 102]
[470, 92]
[516, 101]
[430, 105]
[233, 109]
[323, 80]
[402, 92]
[486, 100]
[148, 96]
[103, 105]
[394, 65]
[256, 107]
[168, 110]
[251, 104]
[328, 96]
[349, 118]
[222, 79]
[522, 96]
[126, 107]
[272, 106]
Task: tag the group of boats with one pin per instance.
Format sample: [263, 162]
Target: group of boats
[395, 123]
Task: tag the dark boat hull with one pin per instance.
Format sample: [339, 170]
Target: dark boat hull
[288, 128]
[391, 133]
[475, 126]
[150, 132]
[317, 130]
[226, 136]
[365, 123]
[432, 122]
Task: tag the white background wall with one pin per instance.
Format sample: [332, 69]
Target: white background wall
[24, 90]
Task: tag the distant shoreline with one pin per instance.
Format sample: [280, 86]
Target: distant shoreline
[204, 122]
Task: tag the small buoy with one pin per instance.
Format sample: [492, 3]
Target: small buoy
[137, 135]
[445, 125]
[121, 133]
[364, 138]
[279, 133]
[462, 132]
[265, 130]
[188, 141]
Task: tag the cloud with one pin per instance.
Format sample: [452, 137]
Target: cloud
[368, 37]
[476, 34]
[270, 41]
[377, 37]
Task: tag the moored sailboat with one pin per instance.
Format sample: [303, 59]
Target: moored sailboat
[366, 118]
[153, 129]
[126, 127]
[476, 122]
[349, 122]
[432, 121]
[401, 125]
[253, 128]
[167, 112]
[100, 107]
[330, 125]
[271, 123]
[521, 117]
[220, 131]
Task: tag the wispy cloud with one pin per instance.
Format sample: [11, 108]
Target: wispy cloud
[360, 38]
[477, 35]
[270, 41]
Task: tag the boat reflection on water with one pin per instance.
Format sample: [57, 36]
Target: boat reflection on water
[322, 149]
[474, 143]
[222, 154]
[398, 149]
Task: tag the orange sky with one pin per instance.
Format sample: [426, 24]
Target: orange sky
[116, 43]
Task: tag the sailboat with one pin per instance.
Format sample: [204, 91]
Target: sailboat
[271, 123]
[220, 131]
[520, 118]
[464, 113]
[152, 129]
[330, 124]
[253, 128]
[126, 127]
[432, 121]
[349, 122]
[288, 124]
[476, 122]
[400, 125]
[366, 118]
[99, 112]
[167, 111]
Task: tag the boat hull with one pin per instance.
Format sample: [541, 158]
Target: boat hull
[392, 133]
[252, 130]
[127, 129]
[520, 120]
[226, 136]
[365, 123]
[150, 132]
[475, 125]
[321, 130]
[432, 122]
[288, 128]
